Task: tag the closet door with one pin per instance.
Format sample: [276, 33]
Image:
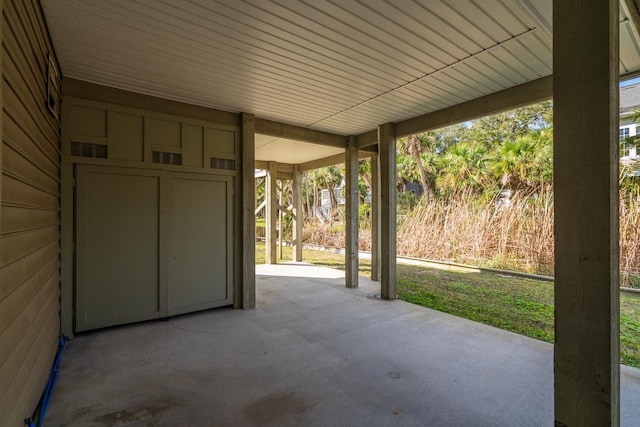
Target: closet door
[118, 246]
[200, 247]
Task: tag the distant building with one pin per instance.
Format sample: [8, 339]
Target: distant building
[629, 129]
[629, 102]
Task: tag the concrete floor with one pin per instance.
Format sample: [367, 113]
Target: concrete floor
[312, 354]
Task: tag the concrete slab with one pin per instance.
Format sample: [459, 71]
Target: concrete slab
[313, 353]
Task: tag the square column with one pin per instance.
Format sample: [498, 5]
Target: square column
[351, 213]
[375, 217]
[587, 293]
[388, 177]
[271, 217]
[297, 214]
[245, 293]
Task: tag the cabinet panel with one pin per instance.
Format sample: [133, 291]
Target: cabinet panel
[117, 247]
[150, 244]
[199, 236]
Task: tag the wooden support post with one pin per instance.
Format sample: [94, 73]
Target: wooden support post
[280, 233]
[585, 82]
[351, 213]
[387, 150]
[271, 215]
[1, 127]
[246, 249]
[297, 212]
[375, 217]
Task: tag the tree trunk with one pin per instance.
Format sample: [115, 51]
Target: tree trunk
[423, 176]
[306, 186]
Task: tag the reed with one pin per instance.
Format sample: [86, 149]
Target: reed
[472, 230]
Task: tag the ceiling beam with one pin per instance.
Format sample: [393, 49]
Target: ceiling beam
[298, 133]
[507, 99]
[95, 92]
[336, 159]
[283, 170]
[367, 139]
[633, 12]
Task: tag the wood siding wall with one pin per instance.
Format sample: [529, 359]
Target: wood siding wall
[29, 214]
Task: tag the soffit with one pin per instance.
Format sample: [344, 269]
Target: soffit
[337, 66]
[289, 151]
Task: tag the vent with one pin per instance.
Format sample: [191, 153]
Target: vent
[167, 158]
[85, 149]
[226, 164]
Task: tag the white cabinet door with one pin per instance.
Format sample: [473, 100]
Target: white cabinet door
[118, 247]
[150, 244]
[200, 246]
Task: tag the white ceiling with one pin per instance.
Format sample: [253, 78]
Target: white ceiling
[282, 150]
[341, 66]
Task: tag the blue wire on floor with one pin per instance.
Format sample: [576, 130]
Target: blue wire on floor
[51, 383]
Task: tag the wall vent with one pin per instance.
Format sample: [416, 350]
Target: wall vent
[167, 158]
[85, 149]
[226, 164]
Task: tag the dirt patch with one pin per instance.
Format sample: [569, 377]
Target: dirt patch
[271, 409]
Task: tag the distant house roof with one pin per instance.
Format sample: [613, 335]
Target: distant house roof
[629, 98]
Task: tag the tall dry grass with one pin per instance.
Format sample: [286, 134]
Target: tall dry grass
[465, 229]
[630, 239]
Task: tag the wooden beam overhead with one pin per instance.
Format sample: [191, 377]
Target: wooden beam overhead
[85, 90]
[298, 133]
[284, 168]
[367, 139]
[513, 97]
[633, 11]
[507, 99]
[336, 159]
[321, 163]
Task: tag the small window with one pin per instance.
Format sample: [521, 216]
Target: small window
[226, 164]
[624, 133]
[167, 158]
[84, 149]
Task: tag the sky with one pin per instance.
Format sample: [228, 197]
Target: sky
[630, 82]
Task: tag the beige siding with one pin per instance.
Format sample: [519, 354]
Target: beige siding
[29, 214]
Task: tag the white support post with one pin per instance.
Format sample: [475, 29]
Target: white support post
[351, 213]
[271, 215]
[387, 149]
[280, 231]
[298, 214]
[585, 82]
[375, 217]
[246, 251]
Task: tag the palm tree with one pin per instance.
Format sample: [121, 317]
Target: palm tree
[526, 162]
[420, 150]
[465, 166]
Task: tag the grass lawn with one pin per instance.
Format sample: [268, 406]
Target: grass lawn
[515, 304]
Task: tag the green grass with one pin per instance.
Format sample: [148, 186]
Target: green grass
[516, 304]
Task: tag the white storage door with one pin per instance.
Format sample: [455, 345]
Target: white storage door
[128, 268]
[200, 244]
[117, 247]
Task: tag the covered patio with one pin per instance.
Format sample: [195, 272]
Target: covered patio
[314, 353]
[132, 131]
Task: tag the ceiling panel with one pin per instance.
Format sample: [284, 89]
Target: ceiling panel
[283, 150]
[343, 66]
